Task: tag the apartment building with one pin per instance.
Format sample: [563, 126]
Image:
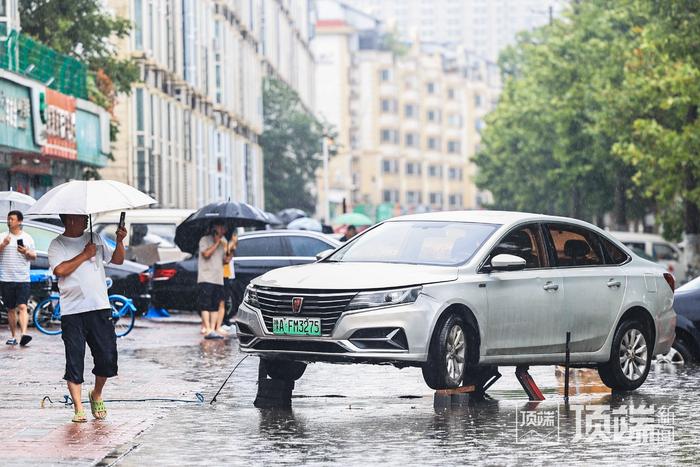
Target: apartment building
[189, 132]
[408, 123]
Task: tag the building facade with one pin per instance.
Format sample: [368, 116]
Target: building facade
[408, 123]
[189, 132]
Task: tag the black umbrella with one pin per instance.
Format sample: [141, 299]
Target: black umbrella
[231, 214]
[273, 219]
[288, 215]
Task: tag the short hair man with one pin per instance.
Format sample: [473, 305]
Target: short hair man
[16, 252]
[213, 254]
[77, 258]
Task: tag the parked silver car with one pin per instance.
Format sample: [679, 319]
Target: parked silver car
[453, 291]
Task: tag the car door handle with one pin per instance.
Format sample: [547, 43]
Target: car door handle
[551, 286]
[614, 283]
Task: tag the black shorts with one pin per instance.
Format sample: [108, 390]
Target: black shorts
[97, 329]
[14, 293]
[210, 295]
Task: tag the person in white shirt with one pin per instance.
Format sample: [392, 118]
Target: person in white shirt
[77, 258]
[16, 252]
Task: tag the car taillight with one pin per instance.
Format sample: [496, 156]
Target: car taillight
[144, 277]
[164, 274]
[670, 280]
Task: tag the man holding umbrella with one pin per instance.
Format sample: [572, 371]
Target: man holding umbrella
[77, 258]
[213, 255]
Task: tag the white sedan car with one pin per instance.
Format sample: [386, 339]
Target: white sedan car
[455, 291]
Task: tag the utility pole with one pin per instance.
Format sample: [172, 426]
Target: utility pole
[326, 201]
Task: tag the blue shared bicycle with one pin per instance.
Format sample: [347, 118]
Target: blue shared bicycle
[47, 314]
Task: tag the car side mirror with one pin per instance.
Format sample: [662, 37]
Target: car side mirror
[324, 254]
[505, 262]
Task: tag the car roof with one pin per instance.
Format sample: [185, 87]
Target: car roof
[639, 236]
[484, 216]
[283, 232]
[150, 214]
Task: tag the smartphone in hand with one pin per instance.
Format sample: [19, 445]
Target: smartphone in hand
[20, 242]
[122, 219]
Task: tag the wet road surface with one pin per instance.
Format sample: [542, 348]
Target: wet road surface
[365, 415]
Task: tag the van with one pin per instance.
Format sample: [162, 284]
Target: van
[151, 233]
[662, 251]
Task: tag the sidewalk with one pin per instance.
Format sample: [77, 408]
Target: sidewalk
[36, 436]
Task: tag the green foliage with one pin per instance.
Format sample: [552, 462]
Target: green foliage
[599, 114]
[82, 29]
[291, 144]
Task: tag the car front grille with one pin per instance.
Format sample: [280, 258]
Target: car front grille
[327, 305]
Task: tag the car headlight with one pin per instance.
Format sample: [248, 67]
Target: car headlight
[250, 297]
[384, 298]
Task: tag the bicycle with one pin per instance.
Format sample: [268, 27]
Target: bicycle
[47, 314]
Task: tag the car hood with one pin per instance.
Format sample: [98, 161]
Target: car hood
[354, 276]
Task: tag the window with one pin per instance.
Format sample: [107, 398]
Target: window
[388, 105]
[451, 93]
[153, 234]
[575, 246]
[42, 237]
[435, 171]
[390, 196]
[385, 75]
[410, 111]
[479, 125]
[434, 143]
[411, 140]
[434, 116]
[435, 197]
[454, 173]
[430, 87]
[417, 242]
[453, 147]
[454, 120]
[526, 243]
[614, 254]
[306, 246]
[390, 166]
[389, 136]
[455, 201]
[413, 168]
[477, 100]
[414, 197]
[664, 252]
[260, 246]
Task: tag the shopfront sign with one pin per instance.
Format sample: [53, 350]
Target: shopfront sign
[16, 117]
[61, 138]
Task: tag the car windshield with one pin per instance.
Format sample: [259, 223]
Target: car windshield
[692, 285]
[417, 242]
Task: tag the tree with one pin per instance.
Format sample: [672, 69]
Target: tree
[291, 144]
[82, 29]
[663, 80]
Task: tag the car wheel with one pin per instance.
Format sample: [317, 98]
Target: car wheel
[679, 354]
[287, 370]
[448, 355]
[630, 357]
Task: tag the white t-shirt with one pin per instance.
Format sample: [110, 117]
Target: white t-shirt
[85, 289]
[14, 266]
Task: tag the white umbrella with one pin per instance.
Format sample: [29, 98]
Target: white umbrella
[89, 197]
[14, 197]
[305, 223]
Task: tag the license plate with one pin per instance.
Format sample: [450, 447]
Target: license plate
[288, 326]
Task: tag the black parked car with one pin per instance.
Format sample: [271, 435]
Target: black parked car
[129, 279]
[686, 347]
[174, 284]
